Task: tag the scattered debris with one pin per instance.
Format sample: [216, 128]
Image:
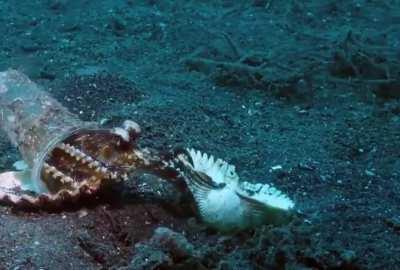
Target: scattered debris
[373, 66]
[228, 65]
[167, 250]
[393, 223]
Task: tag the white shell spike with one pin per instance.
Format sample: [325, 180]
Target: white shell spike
[226, 204]
[219, 171]
[267, 194]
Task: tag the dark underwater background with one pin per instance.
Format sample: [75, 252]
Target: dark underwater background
[311, 86]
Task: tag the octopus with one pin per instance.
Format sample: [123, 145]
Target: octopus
[80, 165]
[67, 159]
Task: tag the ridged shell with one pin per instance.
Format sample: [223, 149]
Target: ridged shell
[222, 172]
[266, 194]
[217, 169]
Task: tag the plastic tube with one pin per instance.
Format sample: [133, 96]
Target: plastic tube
[33, 120]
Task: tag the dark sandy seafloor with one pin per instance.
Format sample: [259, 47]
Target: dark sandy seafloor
[313, 87]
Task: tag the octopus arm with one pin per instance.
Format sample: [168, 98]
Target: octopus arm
[17, 189]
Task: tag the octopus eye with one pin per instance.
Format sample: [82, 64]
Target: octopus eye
[122, 133]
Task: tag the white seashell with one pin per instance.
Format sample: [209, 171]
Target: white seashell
[235, 205]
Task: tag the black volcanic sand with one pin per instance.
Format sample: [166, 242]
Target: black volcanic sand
[311, 87]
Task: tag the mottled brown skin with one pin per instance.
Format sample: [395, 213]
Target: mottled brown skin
[109, 150]
[88, 162]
